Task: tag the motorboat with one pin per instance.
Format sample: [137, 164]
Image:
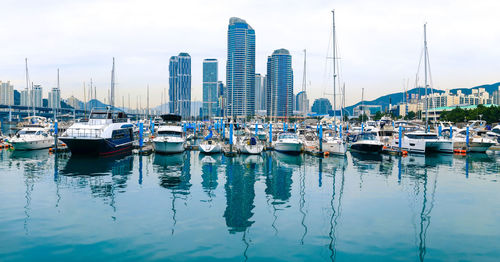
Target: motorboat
[250, 145]
[32, 138]
[494, 133]
[367, 142]
[288, 143]
[423, 142]
[107, 132]
[477, 143]
[170, 137]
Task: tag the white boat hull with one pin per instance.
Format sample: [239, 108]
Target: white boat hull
[32, 145]
[336, 148]
[425, 146]
[251, 149]
[210, 149]
[168, 147]
[288, 147]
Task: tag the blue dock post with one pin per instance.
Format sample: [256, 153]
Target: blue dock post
[340, 132]
[231, 137]
[467, 137]
[256, 129]
[223, 131]
[141, 127]
[321, 138]
[400, 138]
[362, 127]
[440, 129]
[270, 134]
[152, 126]
[451, 132]
[56, 131]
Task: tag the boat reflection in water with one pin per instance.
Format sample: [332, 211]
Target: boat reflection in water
[174, 171]
[80, 165]
[209, 166]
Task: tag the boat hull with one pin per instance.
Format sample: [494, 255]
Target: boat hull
[210, 149]
[367, 148]
[288, 148]
[96, 146]
[167, 147]
[32, 145]
[251, 149]
[335, 148]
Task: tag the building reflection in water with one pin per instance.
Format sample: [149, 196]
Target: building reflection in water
[240, 194]
[174, 172]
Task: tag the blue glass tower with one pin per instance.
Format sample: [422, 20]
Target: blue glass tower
[279, 84]
[180, 85]
[210, 86]
[240, 69]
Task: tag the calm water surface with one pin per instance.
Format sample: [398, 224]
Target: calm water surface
[274, 207]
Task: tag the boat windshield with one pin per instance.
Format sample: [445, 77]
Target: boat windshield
[100, 115]
[288, 136]
[27, 132]
[367, 136]
[170, 133]
[422, 136]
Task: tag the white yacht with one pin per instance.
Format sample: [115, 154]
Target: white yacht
[31, 138]
[367, 142]
[423, 142]
[107, 132]
[170, 138]
[334, 144]
[477, 143]
[288, 143]
[250, 145]
[494, 133]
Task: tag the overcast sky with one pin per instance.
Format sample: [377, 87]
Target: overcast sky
[380, 42]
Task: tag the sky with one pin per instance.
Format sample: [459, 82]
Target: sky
[379, 43]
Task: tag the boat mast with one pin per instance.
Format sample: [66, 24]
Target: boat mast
[334, 71]
[112, 96]
[304, 85]
[425, 76]
[27, 83]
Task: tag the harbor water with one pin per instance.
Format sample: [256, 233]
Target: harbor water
[273, 207]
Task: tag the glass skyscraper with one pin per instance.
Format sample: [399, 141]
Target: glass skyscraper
[240, 69]
[210, 88]
[279, 84]
[180, 85]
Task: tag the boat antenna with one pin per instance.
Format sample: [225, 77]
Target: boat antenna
[27, 82]
[425, 76]
[112, 96]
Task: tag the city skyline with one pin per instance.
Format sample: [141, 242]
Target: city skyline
[379, 46]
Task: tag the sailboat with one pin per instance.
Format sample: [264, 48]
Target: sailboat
[335, 144]
[424, 141]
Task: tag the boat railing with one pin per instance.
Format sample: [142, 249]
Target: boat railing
[83, 133]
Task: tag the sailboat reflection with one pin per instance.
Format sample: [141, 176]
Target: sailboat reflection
[421, 178]
[336, 210]
[209, 174]
[175, 174]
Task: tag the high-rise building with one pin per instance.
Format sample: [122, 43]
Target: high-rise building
[37, 93]
[180, 85]
[279, 84]
[54, 100]
[302, 102]
[74, 102]
[321, 106]
[260, 93]
[221, 101]
[240, 68]
[25, 98]
[6, 93]
[210, 88]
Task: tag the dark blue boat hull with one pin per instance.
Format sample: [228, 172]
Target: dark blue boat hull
[97, 147]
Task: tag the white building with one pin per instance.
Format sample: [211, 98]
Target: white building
[6, 93]
[25, 98]
[37, 95]
[54, 100]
